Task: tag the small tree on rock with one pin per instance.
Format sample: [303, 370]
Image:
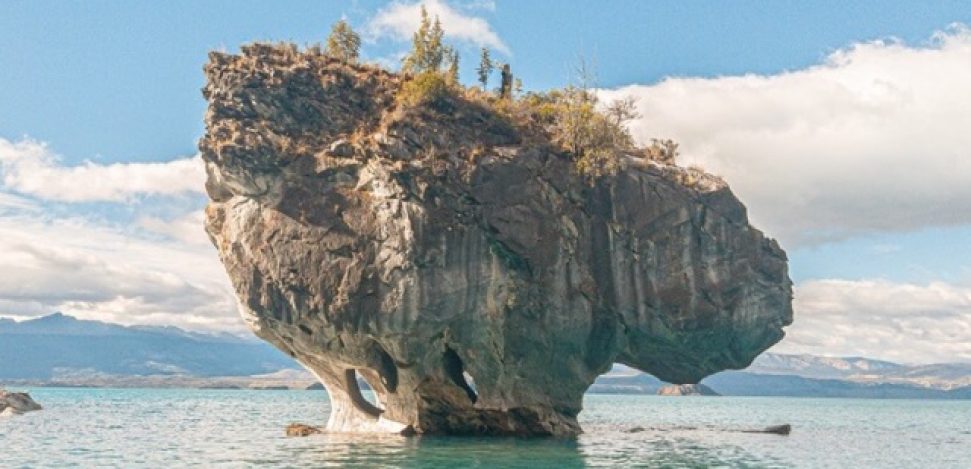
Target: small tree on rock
[505, 87]
[343, 43]
[453, 66]
[485, 67]
[428, 51]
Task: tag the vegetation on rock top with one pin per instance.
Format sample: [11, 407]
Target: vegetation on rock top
[573, 119]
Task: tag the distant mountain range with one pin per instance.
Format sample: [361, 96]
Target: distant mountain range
[48, 347]
[773, 374]
[62, 350]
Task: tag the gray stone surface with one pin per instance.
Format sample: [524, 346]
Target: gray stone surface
[15, 403]
[428, 249]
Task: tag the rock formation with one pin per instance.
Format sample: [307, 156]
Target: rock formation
[14, 403]
[686, 390]
[455, 260]
[784, 430]
[300, 429]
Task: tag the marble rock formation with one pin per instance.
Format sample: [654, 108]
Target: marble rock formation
[456, 261]
[15, 403]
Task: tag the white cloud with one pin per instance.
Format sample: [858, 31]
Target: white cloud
[400, 20]
[89, 268]
[29, 167]
[875, 139]
[96, 271]
[904, 322]
[150, 271]
[15, 202]
[187, 228]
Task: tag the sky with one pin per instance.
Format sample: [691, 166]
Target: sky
[843, 126]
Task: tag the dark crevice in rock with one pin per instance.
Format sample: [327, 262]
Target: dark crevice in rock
[387, 369]
[508, 256]
[455, 370]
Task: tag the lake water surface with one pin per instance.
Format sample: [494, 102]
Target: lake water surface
[228, 428]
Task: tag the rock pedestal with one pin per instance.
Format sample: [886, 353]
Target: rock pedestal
[456, 262]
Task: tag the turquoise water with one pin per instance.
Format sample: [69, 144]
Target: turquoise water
[228, 428]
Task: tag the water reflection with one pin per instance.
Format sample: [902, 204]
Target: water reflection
[657, 447]
[344, 450]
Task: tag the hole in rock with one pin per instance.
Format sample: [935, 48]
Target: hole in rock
[455, 370]
[387, 370]
[624, 378]
[365, 399]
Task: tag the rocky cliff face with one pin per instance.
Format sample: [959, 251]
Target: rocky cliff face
[456, 262]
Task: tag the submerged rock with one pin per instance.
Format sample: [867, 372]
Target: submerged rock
[456, 261]
[300, 429]
[784, 430]
[686, 390]
[15, 403]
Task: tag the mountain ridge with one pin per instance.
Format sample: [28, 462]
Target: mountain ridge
[47, 346]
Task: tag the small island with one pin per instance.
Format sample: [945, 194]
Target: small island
[478, 258]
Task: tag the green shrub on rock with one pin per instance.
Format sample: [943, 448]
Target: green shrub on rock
[429, 88]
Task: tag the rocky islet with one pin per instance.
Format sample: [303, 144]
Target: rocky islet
[456, 261]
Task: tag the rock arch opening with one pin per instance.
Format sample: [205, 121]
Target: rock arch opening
[455, 370]
[353, 384]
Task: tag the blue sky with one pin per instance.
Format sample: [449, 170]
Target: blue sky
[794, 103]
[82, 74]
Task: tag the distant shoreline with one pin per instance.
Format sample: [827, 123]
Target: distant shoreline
[936, 395]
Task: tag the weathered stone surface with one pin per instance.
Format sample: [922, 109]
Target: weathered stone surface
[422, 247]
[14, 403]
[686, 390]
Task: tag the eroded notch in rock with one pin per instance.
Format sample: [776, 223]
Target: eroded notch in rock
[387, 369]
[455, 371]
[357, 398]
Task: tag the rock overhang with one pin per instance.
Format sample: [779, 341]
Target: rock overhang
[426, 251]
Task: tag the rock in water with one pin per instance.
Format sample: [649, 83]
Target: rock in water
[300, 429]
[784, 430]
[456, 261]
[14, 403]
[686, 390]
